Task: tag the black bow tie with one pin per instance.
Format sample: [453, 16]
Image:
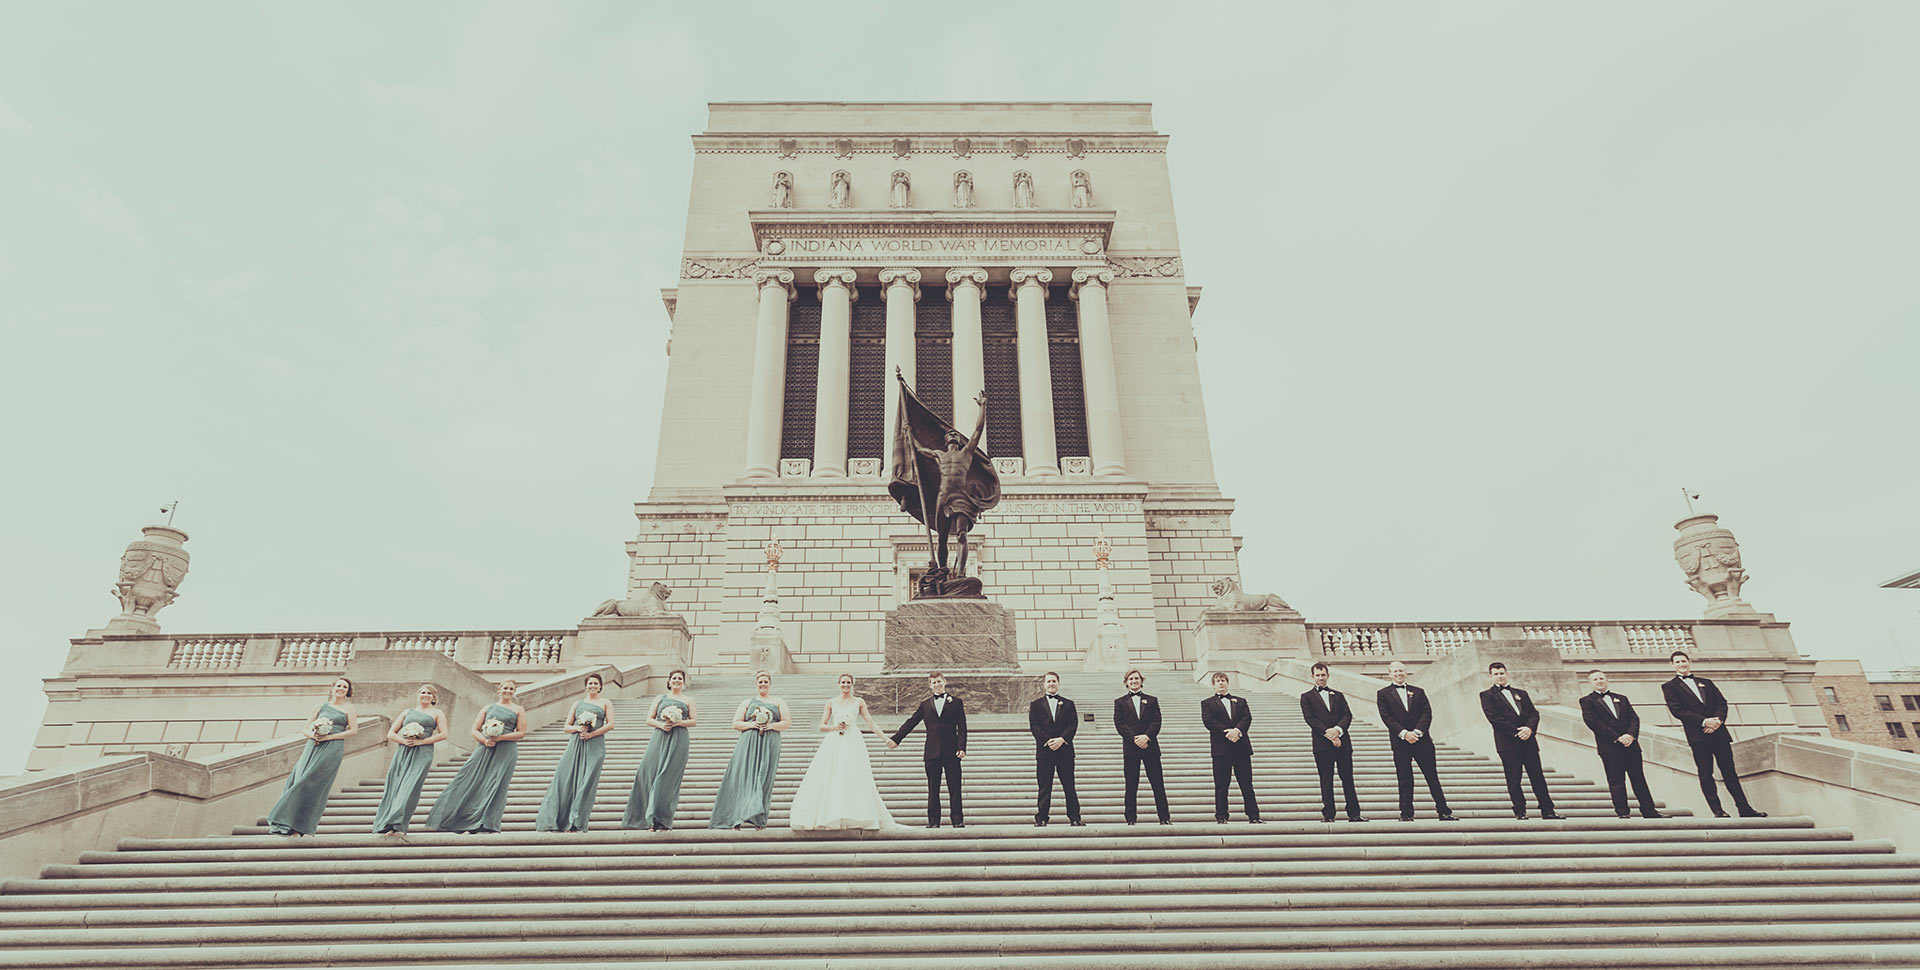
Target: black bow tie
[1686, 676]
[1226, 697]
[1133, 693]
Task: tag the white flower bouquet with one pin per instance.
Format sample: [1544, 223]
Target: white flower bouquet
[587, 721]
[493, 728]
[762, 716]
[321, 727]
[414, 731]
[670, 715]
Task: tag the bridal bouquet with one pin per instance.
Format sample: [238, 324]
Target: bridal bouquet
[414, 731]
[586, 721]
[762, 716]
[321, 727]
[493, 728]
[671, 715]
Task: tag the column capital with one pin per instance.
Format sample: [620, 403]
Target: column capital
[1022, 275]
[1089, 275]
[844, 277]
[782, 278]
[965, 274]
[900, 274]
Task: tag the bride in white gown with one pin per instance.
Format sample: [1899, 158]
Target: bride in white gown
[837, 791]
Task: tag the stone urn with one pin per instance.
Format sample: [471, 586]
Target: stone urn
[1710, 558]
[151, 571]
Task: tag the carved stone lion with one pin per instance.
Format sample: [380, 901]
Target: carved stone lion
[654, 603]
[1232, 600]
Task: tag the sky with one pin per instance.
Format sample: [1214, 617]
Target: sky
[372, 290]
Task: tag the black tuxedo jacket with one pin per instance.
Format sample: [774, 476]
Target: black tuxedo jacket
[1691, 710]
[1505, 722]
[1213, 715]
[1606, 727]
[1416, 715]
[946, 733]
[1320, 717]
[1131, 726]
[1045, 726]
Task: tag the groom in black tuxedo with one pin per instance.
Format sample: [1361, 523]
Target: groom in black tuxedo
[1328, 717]
[946, 744]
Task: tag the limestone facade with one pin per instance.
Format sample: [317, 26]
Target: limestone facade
[843, 213]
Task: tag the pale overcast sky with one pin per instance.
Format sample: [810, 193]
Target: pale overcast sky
[373, 290]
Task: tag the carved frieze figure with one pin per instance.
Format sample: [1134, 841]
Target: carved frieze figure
[963, 190]
[652, 603]
[842, 193]
[902, 192]
[1082, 190]
[1232, 600]
[783, 190]
[1023, 190]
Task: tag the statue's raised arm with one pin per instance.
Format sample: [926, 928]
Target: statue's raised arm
[980, 426]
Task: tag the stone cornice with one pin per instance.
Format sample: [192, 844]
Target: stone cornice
[931, 144]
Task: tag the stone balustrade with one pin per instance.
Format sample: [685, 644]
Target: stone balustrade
[1417, 643]
[481, 649]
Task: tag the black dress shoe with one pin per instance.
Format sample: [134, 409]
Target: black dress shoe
[1448, 817]
[1523, 815]
[1039, 823]
[1555, 816]
[1654, 815]
[1624, 814]
[1356, 818]
[1166, 821]
[959, 825]
[1078, 822]
[1752, 813]
[1406, 818]
[1326, 818]
[1219, 821]
[1255, 821]
[933, 825]
[1721, 813]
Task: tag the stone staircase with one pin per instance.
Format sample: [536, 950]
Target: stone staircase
[1488, 891]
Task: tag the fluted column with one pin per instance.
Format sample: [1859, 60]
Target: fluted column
[901, 289]
[1036, 373]
[1097, 379]
[836, 347]
[765, 399]
[965, 287]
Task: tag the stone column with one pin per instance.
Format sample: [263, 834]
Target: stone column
[901, 289]
[765, 399]
[1036, 373]
[965, 287]
[836, 346]
[1097, 379]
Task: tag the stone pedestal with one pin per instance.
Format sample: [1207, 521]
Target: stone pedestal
[768, 652]
[659, 640]
[1247, 640]
[950, 635]
[971, 641]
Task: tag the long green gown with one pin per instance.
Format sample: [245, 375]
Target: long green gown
[656, 786]
[746, 788]
[406, 776]
[569, 801]
[305, 797]
[476, 798]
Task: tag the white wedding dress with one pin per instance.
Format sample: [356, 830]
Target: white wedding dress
[838, 792]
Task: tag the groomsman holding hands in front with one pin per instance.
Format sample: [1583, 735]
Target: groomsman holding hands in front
[1616, 734]
[1702, 710]
[1328, 717]
[1515, 720]
[1053, 719]
[1136, 715]
[1408, 716]
[1226, 719]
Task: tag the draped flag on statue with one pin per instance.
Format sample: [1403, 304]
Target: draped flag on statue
[924, 488]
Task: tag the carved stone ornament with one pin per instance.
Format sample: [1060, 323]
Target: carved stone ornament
[1154, 266]
[1023, 190]
[1012, 467]
[843, 148]
[1085, 276]
[782, 278]
[651, 603]
[963, 190]
[837, 276]
[863, 468]
[796, 467]
[1709, 557]
[1019, 147]
[151, 571]
[963, 148]
[717, 268]
[789, 147]
[1022, 275]
[902, 147]
[1076, 466]
[1082, 189]
[840, 195]
[782, 190]
[1102, 552]
[966, 274]
[905, 275]
[1076, 147]
[1232, 600]
[772, 549]
[900, 196]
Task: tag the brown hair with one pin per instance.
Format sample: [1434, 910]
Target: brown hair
[593, 677]
[1317, 665]
[1218, 676]
[339, 679]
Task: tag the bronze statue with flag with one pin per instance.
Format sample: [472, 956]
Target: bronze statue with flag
[944, 479]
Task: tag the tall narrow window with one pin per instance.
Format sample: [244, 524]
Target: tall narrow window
[1841, 720]
[1002, 360]
[1063, 353]
[803, 375]
[867, 389]
[933, 354]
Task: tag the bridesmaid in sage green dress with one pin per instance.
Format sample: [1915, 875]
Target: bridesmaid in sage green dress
[416, 731]
[746, 789]
[305, 797]
[476, 798]
[569, 801]
[656, 786]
